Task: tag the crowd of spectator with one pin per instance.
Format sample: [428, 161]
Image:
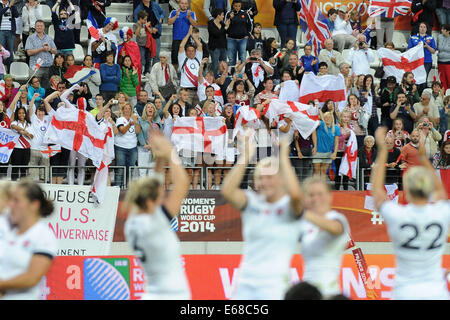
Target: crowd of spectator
[234, 66]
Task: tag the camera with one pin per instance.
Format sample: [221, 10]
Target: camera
[115, 101]
[240, 76]
[361, 44]
[253, 59]
[425, 125]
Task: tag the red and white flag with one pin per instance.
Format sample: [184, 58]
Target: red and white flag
[248, 117]
[290, 91]
[396, 64]
[391, 191]
[200, 134]
[37, 65]
[349, 160]
[305, 118]
[101, 175]
[8, 140]
[2, 88]
[322, 88]
[77, 130]
[50, 151]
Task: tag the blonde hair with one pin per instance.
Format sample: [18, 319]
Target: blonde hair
[144, 113]
[141, 190]
[121, 93]
[332, 120]
[268, 165]
[205, 108]
[308, 182]
[6, 187]
[418, 182]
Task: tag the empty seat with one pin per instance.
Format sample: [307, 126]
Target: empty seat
[46, 14]
[399, 40]
[51, 31]
[84, 35]
[20, 71]
[78, 53]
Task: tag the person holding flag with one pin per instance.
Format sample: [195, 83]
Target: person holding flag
[103, 40]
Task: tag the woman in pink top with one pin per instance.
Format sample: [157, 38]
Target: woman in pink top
[342, 144]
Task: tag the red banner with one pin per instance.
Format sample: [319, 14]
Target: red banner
[211, 277]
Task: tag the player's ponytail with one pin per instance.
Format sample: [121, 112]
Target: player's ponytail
[35, 193]
[418, 182]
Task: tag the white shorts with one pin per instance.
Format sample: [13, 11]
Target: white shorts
[228, 156]
[257, 291]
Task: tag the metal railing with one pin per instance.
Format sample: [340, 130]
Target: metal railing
[392, 176]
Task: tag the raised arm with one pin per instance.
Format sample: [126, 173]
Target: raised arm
[12, 105]
[66, 94]
[378, 175]
[230, 187]
[290, 178]
[439, 193]
[163, 149]
[184, 41]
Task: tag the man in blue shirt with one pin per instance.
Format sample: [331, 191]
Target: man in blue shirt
[181, 19]
[310, 63]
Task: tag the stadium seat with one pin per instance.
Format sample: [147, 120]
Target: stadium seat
[78, 53]
[84, 37]
[376, 63]
[20, 71]
[434, 56]
[399, 40]
[204, 34]
[51, 31]
[269, 33]
[447, 93]
[345, 53]
[16, 84]
[46, 14]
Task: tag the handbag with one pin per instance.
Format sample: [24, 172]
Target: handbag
[379, 72]
[168, 90]
[364, 117]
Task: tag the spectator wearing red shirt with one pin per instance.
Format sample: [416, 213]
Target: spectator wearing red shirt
[410, 152]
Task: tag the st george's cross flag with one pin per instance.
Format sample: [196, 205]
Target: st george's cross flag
[349, 161]
[305, 118]
[77, 130]
[396, 64]
[246, 117]
[391, 191]
[200, 134]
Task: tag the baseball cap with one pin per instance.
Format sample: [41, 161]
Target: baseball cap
[391, 79]
[343, 9]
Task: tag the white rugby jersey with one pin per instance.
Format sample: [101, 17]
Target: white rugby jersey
[158, 249]
[322, 254]
[419, 236]
[271, 233]
[19, 249]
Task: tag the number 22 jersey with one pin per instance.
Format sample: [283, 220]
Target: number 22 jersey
[419, 236]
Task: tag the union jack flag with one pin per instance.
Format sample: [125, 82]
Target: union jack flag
[389, 8]
[313, 24]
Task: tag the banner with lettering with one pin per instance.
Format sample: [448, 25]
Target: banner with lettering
[82, 227]
[8, 140]
[206, 216]
[211, 277]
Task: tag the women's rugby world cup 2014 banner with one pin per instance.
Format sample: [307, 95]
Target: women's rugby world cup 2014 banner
[266, 12]
[206, 216]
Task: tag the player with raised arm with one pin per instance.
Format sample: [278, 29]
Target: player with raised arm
[417, 230]
[270, 222]
[148, 231]
[324, 237]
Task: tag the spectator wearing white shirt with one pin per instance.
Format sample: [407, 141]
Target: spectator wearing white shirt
[360, 56]
[189, 60]
[342, 33]
[162, 76]
[40, 119]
